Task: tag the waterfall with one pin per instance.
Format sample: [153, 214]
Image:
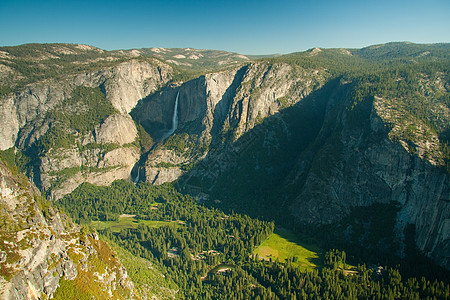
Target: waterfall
[136, 180]
[165, 136]
[174, 119]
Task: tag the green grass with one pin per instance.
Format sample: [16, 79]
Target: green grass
[69, 290]
[128, 222]
[284, 245]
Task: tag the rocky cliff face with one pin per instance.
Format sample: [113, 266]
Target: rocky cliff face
[130, 82]
[217, 109]
[41, 251]
[61, 171]
[357, 166]
[124, 85]
[99, 156]
[106, 155]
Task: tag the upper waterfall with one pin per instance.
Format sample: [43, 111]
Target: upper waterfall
[174, 119]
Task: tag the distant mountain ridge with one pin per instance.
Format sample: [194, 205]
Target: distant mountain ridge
[189, 58]
[404, 49]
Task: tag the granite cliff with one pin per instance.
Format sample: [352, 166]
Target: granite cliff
[215, 110]
[97, 142]
[280, 138]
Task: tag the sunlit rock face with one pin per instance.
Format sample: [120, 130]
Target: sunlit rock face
[99, 157]
[40, 247]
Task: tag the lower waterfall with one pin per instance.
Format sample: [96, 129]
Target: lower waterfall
[166, 135]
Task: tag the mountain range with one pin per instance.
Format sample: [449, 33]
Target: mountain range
[348, 145]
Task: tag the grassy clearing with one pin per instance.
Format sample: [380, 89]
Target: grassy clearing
[284, 245]
[128, 222]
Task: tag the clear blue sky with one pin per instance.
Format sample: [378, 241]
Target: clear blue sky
[245, 26]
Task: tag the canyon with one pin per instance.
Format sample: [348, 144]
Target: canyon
[289, 137]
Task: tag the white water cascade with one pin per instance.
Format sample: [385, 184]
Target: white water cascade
[174, 119]
[136, 180]
[166, 135]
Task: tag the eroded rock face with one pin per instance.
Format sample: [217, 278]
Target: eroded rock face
[98, 160]
[10, 123]
[357, 166]
[117, 129]
[39, 247]
[64, 170]
[158, 176]
[132, 81]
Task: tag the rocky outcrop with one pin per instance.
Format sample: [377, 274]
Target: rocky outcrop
[10, 128]
[64, 170]
[116, 129]
[266, 89]
[40, 248]
[24, 107]
[160, 175]
[130, 82]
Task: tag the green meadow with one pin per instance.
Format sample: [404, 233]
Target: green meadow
[283, 245]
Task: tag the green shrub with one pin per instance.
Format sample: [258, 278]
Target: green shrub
[9, 158]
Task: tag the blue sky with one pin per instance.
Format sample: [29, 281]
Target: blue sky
[245, 26]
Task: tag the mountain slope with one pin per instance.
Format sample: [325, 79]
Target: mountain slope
[43, 254]
[192, 60]
[71, 123]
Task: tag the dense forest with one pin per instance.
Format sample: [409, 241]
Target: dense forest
[209, 254]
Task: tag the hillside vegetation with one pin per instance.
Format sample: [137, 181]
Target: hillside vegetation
[209, 254]
[44, 254]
